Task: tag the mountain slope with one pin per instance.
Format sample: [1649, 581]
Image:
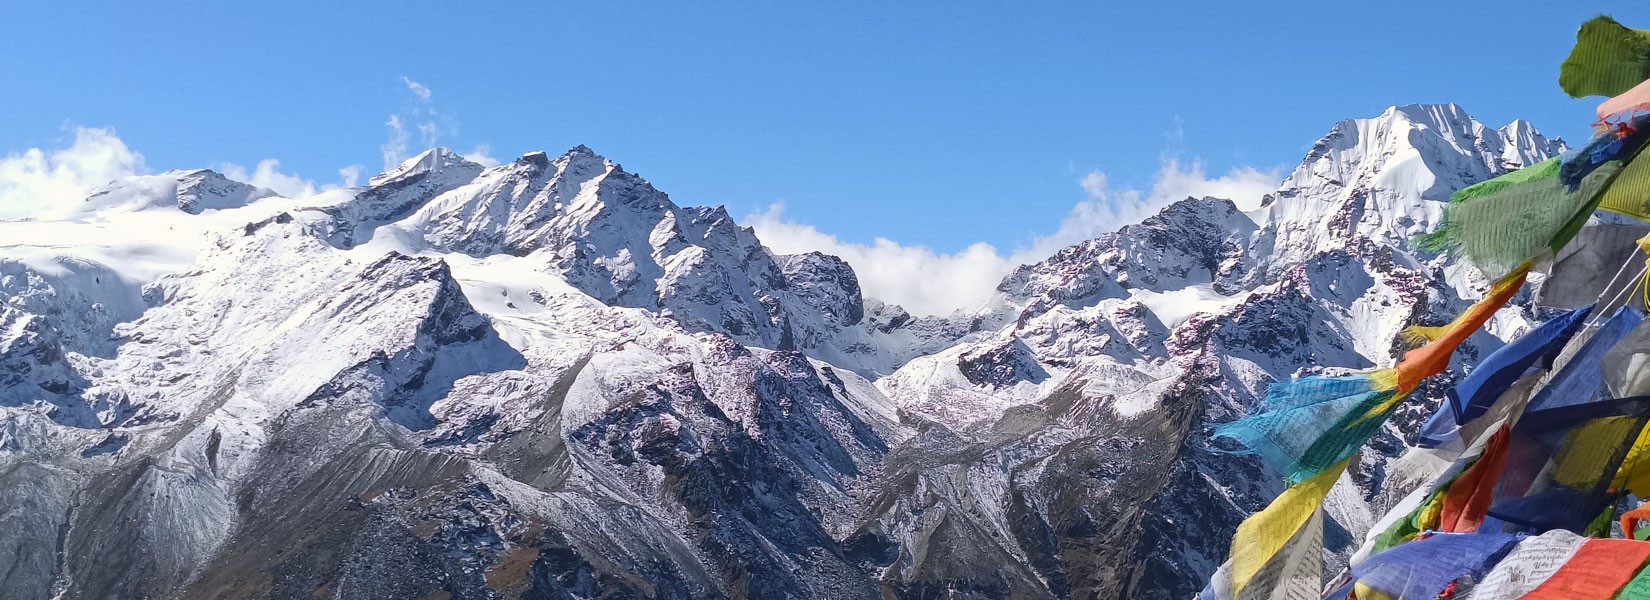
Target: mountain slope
[545, 379]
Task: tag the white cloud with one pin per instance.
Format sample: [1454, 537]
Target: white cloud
[417, 89]
[428, 134]
[48, 184]
[482, 155]
[928, 282]
[350, 176]
[53, 184]
[268, 175]
[1244, 186]
[915, 277]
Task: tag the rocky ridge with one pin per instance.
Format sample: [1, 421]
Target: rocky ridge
[545, 379]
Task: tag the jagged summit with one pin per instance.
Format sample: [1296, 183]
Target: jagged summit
[1378, 182]
[429, 161]
[1529, 143]
[1425, 147]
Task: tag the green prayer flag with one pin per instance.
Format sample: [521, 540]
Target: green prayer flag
[1608, 59]
[1501, 228]
[1540, 170]
[1638, 588]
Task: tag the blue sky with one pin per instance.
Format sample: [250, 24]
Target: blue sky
[933, 124]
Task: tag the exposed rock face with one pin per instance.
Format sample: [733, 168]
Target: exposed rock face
[546, 380]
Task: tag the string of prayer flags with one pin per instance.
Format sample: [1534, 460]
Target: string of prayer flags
[1531, 448]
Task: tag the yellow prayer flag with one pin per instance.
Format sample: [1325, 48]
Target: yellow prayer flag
[1264, 534]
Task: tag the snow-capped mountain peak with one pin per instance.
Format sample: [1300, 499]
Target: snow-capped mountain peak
[1378, 182]
[1526, 146]
[547, 379]
[429, 161]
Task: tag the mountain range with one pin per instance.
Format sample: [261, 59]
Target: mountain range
[545, 379]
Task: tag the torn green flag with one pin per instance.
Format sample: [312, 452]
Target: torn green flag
[1608, 59]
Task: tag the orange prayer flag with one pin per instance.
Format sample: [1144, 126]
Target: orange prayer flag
[1596, 571]
[1469, 496]
[1433, 358]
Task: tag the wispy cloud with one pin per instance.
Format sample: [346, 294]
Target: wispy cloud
[1105, 208]
[928, 282]
[267, 174]
[53, 183]
[481, 155]
[430, 122]
[418, 89]
[395, 149]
